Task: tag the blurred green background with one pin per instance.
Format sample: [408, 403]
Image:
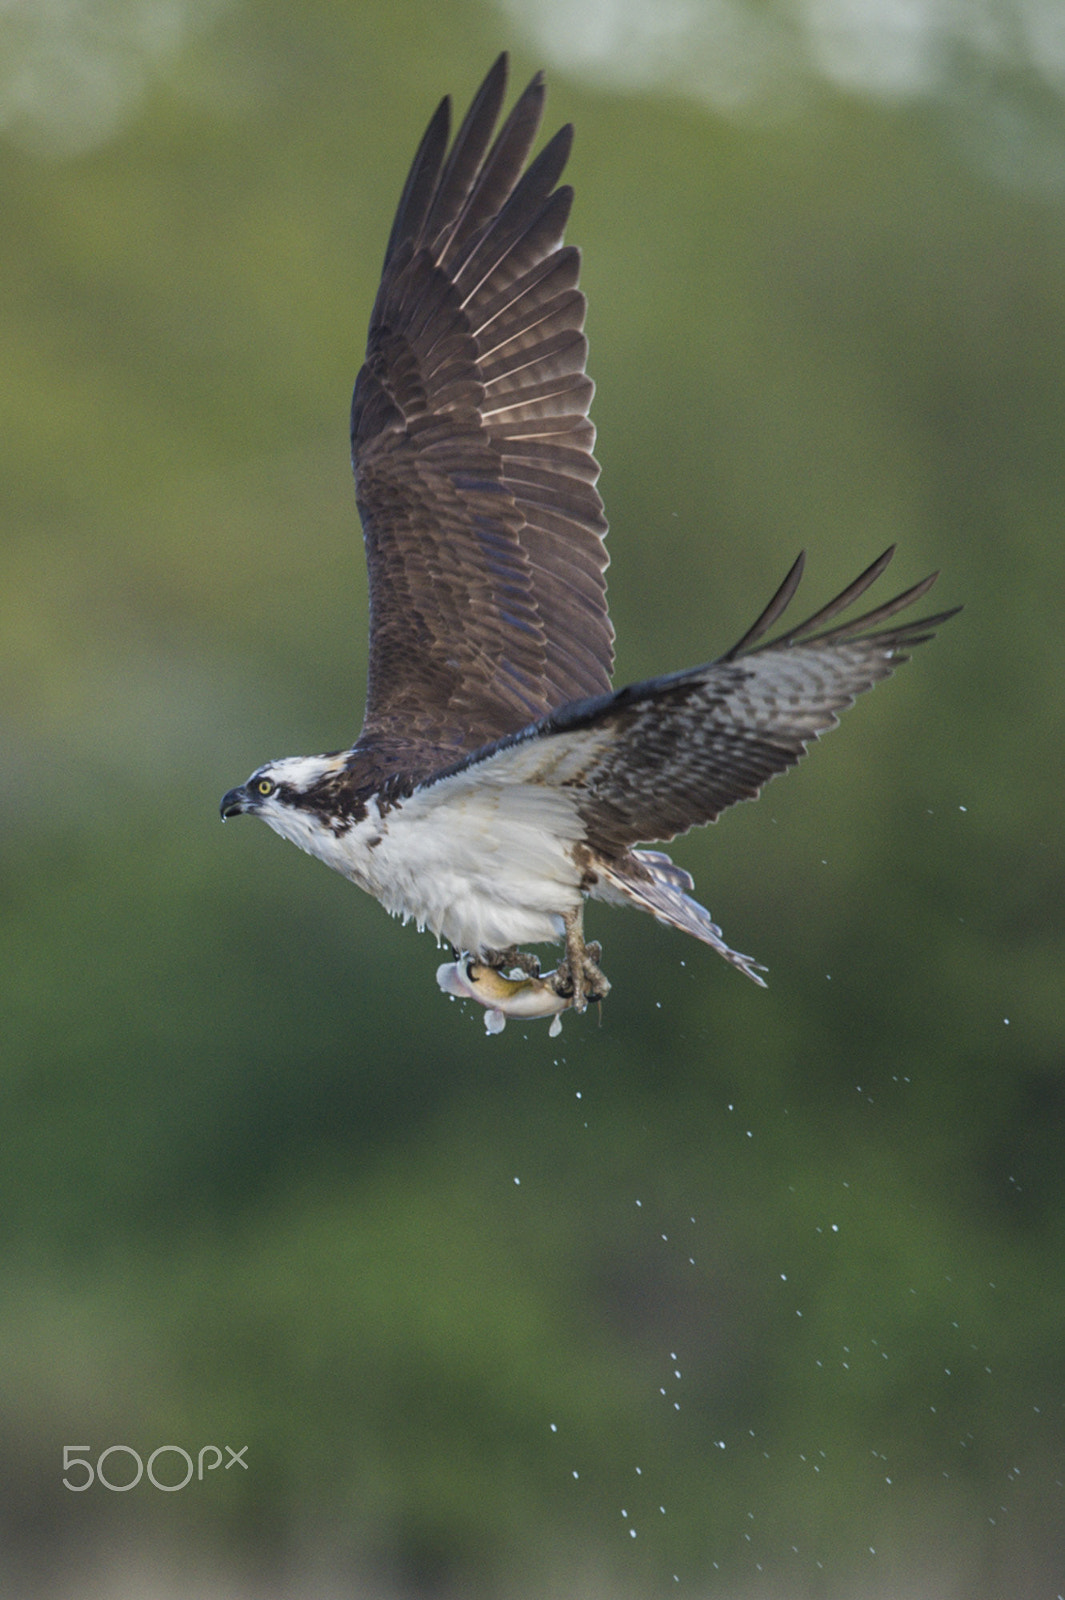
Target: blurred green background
[730, 1293]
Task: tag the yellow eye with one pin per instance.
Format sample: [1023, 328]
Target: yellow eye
[264, 786]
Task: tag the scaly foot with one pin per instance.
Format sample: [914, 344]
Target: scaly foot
[503, 960]
[578, 973]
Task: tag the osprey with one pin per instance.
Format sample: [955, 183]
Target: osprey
[498, 779]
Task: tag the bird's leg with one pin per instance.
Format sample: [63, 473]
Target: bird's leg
[502, 960]
[578, 972]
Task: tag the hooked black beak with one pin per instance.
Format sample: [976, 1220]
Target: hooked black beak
[233, 803]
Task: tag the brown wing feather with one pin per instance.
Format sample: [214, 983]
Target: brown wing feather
[660, 757]
[472, 449]
[688, 746]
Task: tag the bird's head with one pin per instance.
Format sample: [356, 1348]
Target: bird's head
[278, 788]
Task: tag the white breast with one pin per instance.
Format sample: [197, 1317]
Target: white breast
[481, 862]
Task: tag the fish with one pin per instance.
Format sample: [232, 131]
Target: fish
[503, 997]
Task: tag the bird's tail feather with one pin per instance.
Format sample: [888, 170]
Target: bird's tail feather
[664, 892]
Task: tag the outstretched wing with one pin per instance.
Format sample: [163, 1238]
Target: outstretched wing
[684, 748]
[660, 757]
[472, 448]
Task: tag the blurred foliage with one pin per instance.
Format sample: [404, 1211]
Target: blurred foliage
[772, 1280]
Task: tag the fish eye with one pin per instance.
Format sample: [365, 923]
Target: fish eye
[265, 786]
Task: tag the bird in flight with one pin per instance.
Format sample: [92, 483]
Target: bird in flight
[498, 779]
